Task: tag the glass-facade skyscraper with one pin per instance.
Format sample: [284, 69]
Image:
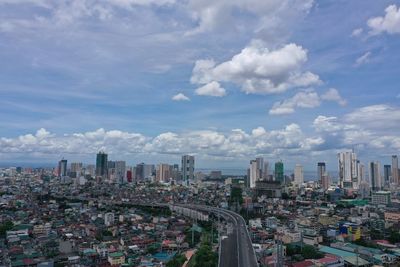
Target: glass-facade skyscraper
[101, 164]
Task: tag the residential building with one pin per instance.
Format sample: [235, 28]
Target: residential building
[375, 176]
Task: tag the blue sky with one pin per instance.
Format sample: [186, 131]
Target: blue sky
[227, 80]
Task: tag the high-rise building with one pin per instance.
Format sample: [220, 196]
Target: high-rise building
[101, 164]
[257, 170]
[76, 168]
[253, 173]
[375, 176]
[348, 170]
[120, 171]
[265, 174]
[279, 172]
[187, 168]
[163, 173]
[321, 169]
[386, 175]
[395, 170]
[298, 174]
[62, 168]
[325, 181]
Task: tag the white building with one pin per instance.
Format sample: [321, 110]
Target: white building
[298, 174]
[348, 170]
[109, 218]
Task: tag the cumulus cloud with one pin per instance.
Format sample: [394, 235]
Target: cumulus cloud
[259, 70]
[305, 99]
[370, 127]
[390, 23]
[180, 97]
[364, 59]
[236, 143]
[211, 89]
[333, 95]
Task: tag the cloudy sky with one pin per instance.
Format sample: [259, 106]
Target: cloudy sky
[225, 80]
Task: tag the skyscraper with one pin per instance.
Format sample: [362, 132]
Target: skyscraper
[62, 168]
[163, 173]
[375, 176]
[120, 171]
[279, 172]
[348, 170]
[266, 171]
[321, 169]
[101, 164]
[187, 168]
[253, 173]
[395, 170]
[298, 174]
[386, 175]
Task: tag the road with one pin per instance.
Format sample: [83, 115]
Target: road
[236, 250]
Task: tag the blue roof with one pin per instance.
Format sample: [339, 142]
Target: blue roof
[336, 252]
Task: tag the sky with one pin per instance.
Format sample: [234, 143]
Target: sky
[224, 80]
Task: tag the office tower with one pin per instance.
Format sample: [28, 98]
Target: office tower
[386, 175]
[187, 168]
[325, 181]
[260, 167]
[175, 174]
[90, 170]
[101, 164]
[279, 172]
[348, 170]
[375, 176]
[139, 174]
[395, 170]
[163, 173]
[266, 171]
[62, 168]
[298, 174]
[120, 171]
[321, 170]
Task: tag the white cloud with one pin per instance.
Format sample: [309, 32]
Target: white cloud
[371, 127]
[180, 97]
[333, 95]
[220, 15]
[364, 59]
[236, 143]
[211, 89]
[305, 99]
[357, 32]
[390, 23]
[259, 70]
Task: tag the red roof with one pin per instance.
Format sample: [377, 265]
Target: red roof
[306, 263]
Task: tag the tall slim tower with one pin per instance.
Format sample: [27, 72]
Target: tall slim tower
[386, 175]
[395, 170]
[279, 171]
[321, 169]
[187, 168]
[101, 164]
[62, 168]
[298, 174]
[348, 170]
[375, 176]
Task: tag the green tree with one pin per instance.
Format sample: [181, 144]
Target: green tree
[204, 257]
[177, 261]
[4, 227]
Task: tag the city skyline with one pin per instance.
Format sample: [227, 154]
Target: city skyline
[294, 80]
